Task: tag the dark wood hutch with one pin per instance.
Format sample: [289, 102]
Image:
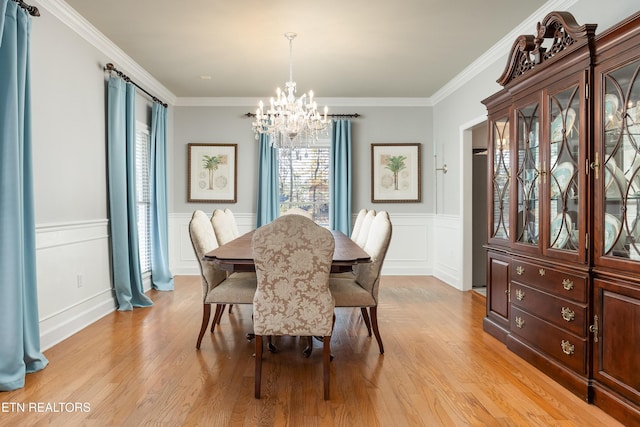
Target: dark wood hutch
[563, 252]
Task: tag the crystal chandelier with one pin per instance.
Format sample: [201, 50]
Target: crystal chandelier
[290, 122]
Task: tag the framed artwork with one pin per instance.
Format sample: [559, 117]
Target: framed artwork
[212, 173]
[395, 173]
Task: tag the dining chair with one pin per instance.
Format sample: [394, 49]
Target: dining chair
[357, 225]
[362, 290]
[293, 257]
[217, 287]
[297, 211]
[364, 230]
[226, 229]
[233, 222]
[224, 226]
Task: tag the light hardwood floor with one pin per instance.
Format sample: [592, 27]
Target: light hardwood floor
[440, 369]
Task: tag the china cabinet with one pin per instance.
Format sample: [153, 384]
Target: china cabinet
[616, 177]
[563, 252]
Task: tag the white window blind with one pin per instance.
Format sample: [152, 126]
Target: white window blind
[304, 181]
[143, 196]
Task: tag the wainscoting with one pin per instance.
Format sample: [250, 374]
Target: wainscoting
[446, 243]
[74, 279]
[413, 250]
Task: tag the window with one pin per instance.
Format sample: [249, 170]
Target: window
[304, 180]
[143, 196]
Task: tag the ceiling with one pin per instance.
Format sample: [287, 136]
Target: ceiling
[344, 48]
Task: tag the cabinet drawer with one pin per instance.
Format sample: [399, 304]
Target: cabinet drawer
[558, 282]
[566, 348]
[563, 313]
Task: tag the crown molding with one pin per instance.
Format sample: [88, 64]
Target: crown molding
[500, 49]
[332, 102]
[68, 16]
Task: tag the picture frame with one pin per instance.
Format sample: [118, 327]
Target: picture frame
[396, 174]
[212, 173]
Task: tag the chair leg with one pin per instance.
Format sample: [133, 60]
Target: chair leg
[374, 323]
[206, 313]
[230, 307]
[309, 348]
[272, 348]
[216, 316]
[258, 373]
[222, 307]
[326, 358]
[365, 317]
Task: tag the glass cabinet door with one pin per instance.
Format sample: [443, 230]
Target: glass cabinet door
[528, 174]
[620, 165]
[564, 150]
[501, 179]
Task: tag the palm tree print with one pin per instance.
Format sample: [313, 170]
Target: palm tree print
[395, 165]
[211, 164]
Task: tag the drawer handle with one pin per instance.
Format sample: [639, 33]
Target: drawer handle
[541, 272]
[568, 314]
[568, 348]
[519, 270]
[519, 294]
[519, 322]
[567, 284]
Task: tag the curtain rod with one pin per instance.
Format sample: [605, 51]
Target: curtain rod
[352, 115]
[33, 11]
[110, 67]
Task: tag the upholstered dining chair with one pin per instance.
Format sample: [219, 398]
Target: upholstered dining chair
[364, 229]
[232, 221]
[226, 229]
[293, 258]
[224, 226]
[217, 287]
[357, 225]
[361, 290]
[355, 235]
[297, 211]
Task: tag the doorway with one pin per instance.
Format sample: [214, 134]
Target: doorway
[473, 144]
[479, 208]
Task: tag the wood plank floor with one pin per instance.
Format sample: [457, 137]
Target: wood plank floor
[440, 369]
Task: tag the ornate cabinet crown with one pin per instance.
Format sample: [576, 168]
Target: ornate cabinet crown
[528, 51]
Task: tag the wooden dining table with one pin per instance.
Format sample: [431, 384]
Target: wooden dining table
[236, 255]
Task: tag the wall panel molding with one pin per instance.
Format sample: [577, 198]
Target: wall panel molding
[446, 244]
[74, 278]
[410, 251]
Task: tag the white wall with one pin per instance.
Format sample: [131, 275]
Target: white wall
[229, 125]
[70, 182]
[408, 253]
[68, 98]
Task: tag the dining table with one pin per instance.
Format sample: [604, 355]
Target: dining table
[236, 255]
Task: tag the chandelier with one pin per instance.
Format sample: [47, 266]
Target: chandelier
[290, 122]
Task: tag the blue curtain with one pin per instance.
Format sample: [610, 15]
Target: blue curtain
[268, 205]
[340, 177]
[160, 275]
[121, 159]
[19, 323]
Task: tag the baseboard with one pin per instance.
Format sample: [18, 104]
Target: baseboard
[61, 330]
